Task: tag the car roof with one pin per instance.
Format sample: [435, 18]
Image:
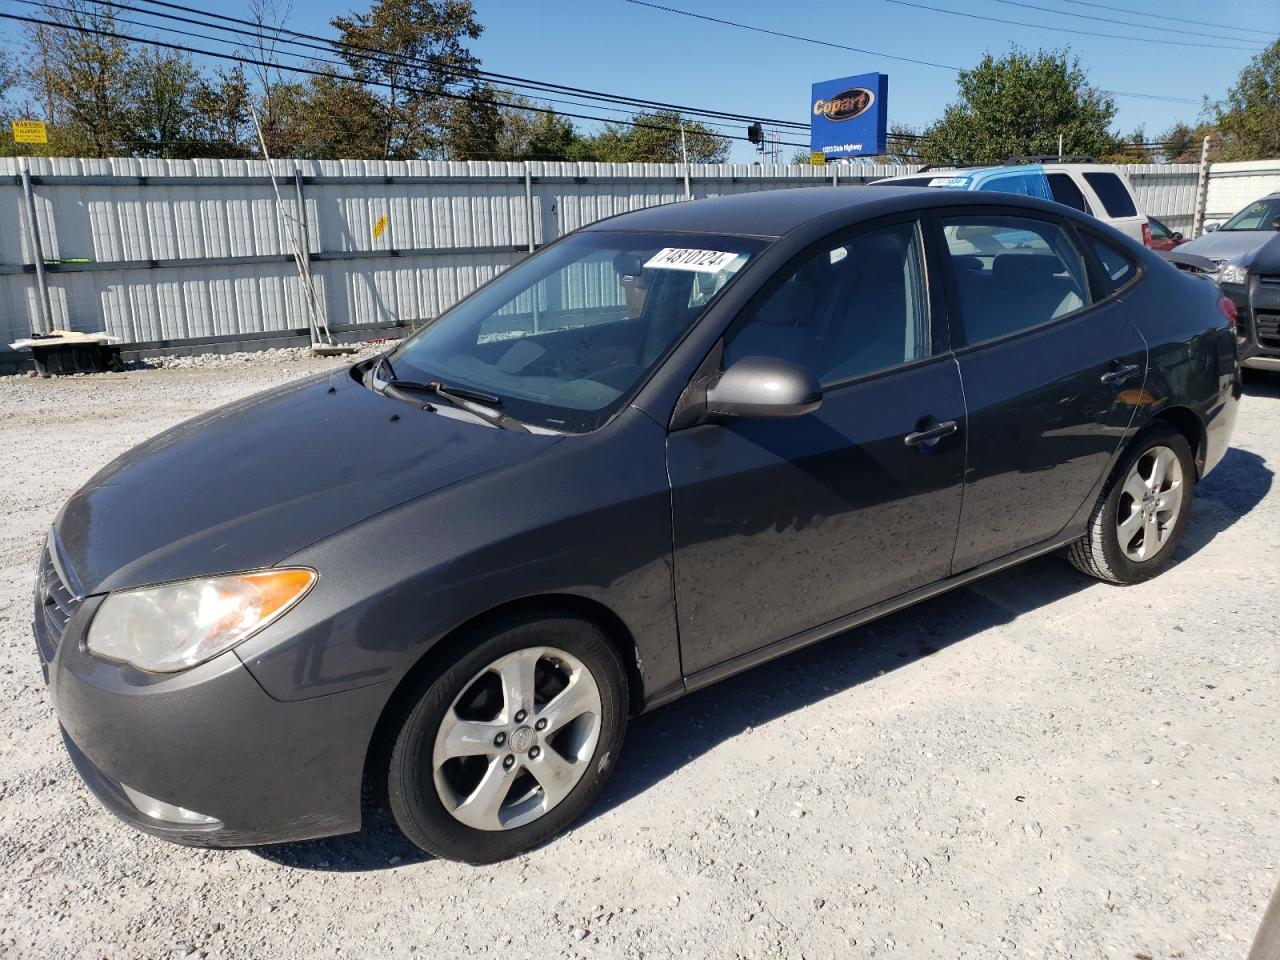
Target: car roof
[774, 213]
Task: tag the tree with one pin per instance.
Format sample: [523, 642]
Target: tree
[84, 80]
[1183, 143]
[653, 138]
[1130, 149]
[1249, 117]
[162, 120]
[1018, 105]
[338, 119]
[421, 58]
[221, 121]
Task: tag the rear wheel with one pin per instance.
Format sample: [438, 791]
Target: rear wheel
[509, 745]
[1142, 512]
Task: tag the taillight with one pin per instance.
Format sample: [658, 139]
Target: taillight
[1229, 310]
[1146, 234]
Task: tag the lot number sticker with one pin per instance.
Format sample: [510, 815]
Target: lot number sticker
[700, 261]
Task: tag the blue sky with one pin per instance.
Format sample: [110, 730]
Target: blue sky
[618, 47]
[615, 46]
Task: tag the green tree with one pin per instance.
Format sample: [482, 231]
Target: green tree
[1130, 149]
[221, 114]
[1018, 105]
[653, 138]
[1183, 143]
[338, 120]
[1249, 117]
[85, 81]
[163, 117]
[426, 58]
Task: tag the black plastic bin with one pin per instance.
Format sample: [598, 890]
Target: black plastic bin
[58, 358]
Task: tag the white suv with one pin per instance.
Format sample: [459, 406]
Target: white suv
[1099, 189]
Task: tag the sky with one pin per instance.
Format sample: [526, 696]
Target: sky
[618, 47]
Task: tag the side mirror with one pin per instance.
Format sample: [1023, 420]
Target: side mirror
[1210, 227]
[1178, 238]
[764, 387]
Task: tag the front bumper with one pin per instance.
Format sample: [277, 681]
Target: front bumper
[1258, 321]
[210, 740]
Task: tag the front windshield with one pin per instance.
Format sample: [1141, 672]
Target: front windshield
[1261, 215]
[565, 337]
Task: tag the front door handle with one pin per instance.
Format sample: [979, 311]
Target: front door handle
[931, 435]
[1120, 374]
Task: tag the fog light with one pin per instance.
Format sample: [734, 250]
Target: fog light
[159, 810]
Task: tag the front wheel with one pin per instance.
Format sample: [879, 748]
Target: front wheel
[511, 743]
[1142, 512]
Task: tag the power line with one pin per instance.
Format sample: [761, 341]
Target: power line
[841, 46]
[259, 29]
[1081, 33]
[1125, 23]
[1270, 34]
[44, 5]
[292, 68]
[791, 36]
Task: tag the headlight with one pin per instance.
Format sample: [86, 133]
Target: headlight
[1233, 273]
[178, 625]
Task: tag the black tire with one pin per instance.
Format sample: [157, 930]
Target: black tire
[1099, 552]
[415, 802]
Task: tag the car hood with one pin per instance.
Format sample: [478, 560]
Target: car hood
[253, 482]
[1227, 244]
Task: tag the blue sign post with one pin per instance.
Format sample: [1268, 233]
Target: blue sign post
[849, 116]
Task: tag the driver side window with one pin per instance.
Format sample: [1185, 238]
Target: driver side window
[850, 309]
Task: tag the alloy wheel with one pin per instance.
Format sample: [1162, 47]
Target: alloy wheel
[1150, 503]
[517, 739]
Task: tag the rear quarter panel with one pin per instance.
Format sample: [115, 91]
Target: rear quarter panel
[1191, 354]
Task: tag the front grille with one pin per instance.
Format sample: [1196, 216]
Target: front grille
[55, 597]
[1267, 327]
[1270, 281]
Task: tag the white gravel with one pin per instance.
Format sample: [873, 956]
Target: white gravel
[1035, 766]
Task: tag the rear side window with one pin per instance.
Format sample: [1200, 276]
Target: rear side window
[1113, 194]
[1066, 192]
[1013, 273]
[1116, 264]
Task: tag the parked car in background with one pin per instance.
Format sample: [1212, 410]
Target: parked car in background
[1162, 238]
[665, 448]
[1244, 233]
[1101, 190]
[1252, 283]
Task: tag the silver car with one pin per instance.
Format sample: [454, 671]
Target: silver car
[1242, 234]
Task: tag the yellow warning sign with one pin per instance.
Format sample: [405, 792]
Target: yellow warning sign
[380, 227]
[818, 158]
[29, 131]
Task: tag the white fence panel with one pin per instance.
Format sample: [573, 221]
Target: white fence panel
[153, 250]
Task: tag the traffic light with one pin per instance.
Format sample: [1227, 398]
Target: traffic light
[755, 133]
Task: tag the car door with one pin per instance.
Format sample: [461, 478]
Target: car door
[784, 525]
[1045, 357]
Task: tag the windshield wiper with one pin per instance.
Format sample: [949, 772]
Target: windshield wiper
[469, 401]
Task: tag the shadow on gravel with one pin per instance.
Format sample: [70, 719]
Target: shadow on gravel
[661, 742]
[1261, 383]
[378, 846]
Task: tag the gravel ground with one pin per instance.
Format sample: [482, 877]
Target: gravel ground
[1034, 766]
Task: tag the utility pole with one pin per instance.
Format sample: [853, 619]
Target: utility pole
[684, 152]
[1059, 148]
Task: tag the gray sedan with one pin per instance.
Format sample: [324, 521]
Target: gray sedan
[666, 448]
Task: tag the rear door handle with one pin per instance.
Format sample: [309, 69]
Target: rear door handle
[931, 435]
[1120, 374]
